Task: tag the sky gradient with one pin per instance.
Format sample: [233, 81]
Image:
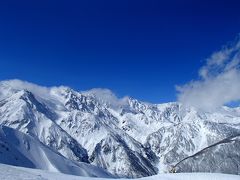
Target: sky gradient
[136, 48]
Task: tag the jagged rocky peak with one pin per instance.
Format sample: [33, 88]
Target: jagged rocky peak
[77, 101]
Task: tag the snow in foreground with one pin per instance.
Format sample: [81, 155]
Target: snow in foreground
[18, 173]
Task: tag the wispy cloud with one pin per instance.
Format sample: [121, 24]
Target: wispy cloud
[17, 84]
[219, 80]
[106, 96]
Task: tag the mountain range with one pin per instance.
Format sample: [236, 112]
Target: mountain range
[94, 133]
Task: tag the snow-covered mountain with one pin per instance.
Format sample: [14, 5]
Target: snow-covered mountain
[126, 137]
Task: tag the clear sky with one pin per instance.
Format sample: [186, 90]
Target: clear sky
[137, 48]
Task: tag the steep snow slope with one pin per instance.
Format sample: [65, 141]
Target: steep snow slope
[17, 173]
[127, 137]
[20, 149]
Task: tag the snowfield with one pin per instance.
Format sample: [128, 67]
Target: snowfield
[18, 173]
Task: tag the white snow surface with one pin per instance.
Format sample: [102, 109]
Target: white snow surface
[18, 173]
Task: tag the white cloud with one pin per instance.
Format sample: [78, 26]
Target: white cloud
[107, 96]
[16, 84]
[219, 80]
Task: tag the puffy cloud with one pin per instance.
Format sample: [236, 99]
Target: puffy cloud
[219, 80]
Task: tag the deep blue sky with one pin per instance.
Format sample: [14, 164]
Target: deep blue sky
[137, 48]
